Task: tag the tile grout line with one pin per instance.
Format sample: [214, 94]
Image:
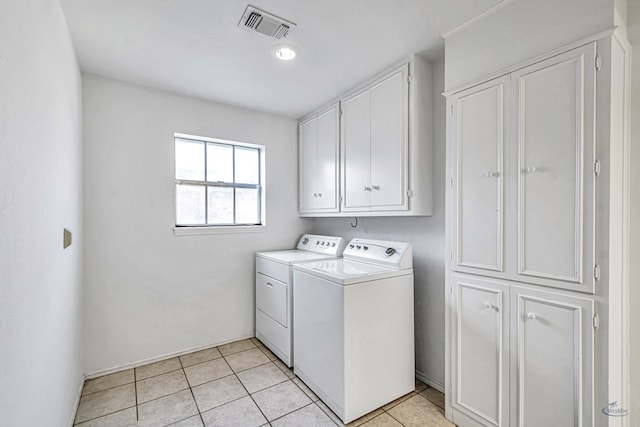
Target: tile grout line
[233, 373]
[329, 415]
[383, 412]
[103, 415]
[108, 413]
[244, 370]
[157, 375]
[236, 352]
[108, 388]
[305, 393]
[135, 390]
[295, 410]
[193, 396]
[290, 371]
[430, 401]
[250, 396]
[266, 388]
[391, 415]
[282, 382]
[435, 403]
[290, 412]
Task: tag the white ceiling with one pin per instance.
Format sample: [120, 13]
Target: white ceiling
[195, 48]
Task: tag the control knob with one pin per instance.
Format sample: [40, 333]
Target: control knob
[390, 251]
[305, 240]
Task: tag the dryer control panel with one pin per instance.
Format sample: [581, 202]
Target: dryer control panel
[398, 255]
[329, 245]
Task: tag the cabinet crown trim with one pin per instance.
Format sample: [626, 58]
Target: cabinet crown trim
[503, 72]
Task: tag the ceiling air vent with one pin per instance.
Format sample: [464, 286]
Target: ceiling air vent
[265, 23]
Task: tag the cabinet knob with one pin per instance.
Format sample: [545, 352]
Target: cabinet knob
[531, 169]
[531, 316]
[491, 174]
[319, 194]
[488, 305]
[375, 187]
[315, 194]
[366, 188]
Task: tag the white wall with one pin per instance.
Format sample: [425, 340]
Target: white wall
[426, 235]
[633, 26]
[150, 293]
[40, 194]
[521, 31]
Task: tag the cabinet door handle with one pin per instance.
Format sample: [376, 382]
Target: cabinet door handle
[366, 188]
[375, 187]
[531, 316]
[270, 285]
[491, 174]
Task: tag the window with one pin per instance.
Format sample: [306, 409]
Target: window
[218, 182]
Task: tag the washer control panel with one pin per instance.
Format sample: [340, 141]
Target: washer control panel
[381, 252]
[330, 245]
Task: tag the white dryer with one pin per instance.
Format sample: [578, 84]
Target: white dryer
[274, 289]
[354, 339]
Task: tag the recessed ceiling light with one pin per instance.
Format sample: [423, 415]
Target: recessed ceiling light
[284, 52]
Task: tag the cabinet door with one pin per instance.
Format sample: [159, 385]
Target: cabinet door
[308, 164]
[356, 152]
[478, 130]
[552, 372]
[318, 167]
[327, 161]
[480, 373]
[389, 143]
[553, 130]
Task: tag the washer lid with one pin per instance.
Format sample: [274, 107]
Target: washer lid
[293, 256]
[349, 272]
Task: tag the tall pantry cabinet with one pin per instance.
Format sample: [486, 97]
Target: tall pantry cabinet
[535, 223]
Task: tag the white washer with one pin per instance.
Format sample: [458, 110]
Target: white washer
[354, 341]
[274, 289]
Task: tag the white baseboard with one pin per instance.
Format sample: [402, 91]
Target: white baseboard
[78, 396]
[158, 358]
[430, 382]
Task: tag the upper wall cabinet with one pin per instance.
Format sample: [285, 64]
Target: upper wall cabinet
[386, 149]
[523, 171]
[375, 143]
[318, 168]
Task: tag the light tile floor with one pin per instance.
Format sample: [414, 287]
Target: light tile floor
[240, 384]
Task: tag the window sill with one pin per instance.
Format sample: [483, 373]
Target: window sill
[197, 231]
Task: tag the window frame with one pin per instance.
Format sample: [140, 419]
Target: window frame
[192, 229]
